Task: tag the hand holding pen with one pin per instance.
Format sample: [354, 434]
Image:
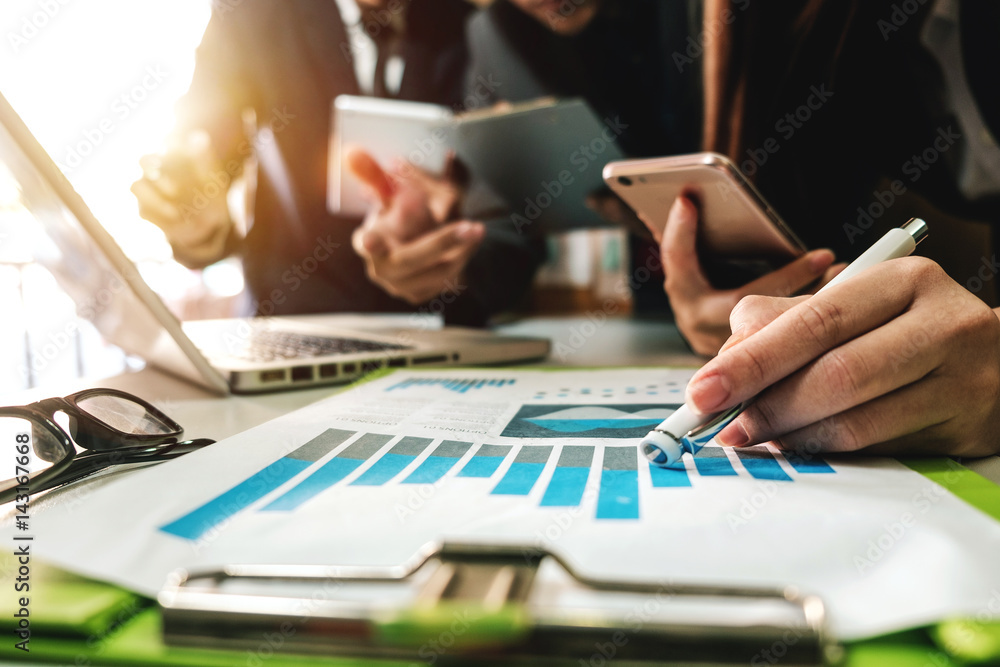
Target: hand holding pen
[901, 359]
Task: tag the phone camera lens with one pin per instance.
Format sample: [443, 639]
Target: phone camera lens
[625, 180]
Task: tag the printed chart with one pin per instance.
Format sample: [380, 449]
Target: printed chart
[352, 459]
[391, 467]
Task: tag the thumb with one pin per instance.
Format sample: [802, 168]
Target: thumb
[368, 242]
[367, 170]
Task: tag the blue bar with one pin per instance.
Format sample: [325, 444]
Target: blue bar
[712, 462]
[566, 487]
[486, 461]
[761, 465]
[384, 469]
[668, 477]
[326, 476]
[193, 525]
[441, 460]
[808, 463]
[481, 466]
[519, 480]
[431, 470]
[619, 495]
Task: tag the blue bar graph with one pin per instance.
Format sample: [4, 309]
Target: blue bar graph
[441, 460]
[402, 454]
[524, 471]
[485, 461]
[807, 463]
[668, 477]
[619, 494]
[328, 474]
[199, 521]
[761, 464]
[458, 385]
[618, 483]
[713, 462]
[569, 480]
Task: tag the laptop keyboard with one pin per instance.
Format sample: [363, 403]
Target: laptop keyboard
[271, 345]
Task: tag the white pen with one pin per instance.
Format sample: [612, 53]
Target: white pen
[687, 431]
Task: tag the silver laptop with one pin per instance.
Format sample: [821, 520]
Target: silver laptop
[238, 355]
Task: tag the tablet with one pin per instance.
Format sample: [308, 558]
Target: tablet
[535, 161]
[387, 129]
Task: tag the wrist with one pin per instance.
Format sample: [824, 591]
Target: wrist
[197, 247]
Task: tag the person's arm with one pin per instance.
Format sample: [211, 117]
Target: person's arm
[184, 191]
[899, 359]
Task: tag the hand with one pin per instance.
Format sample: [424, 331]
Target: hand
[184, 193]
[701, 311]
[409, 247]
[898, 359]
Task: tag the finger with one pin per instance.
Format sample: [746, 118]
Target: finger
[367, 170]
[894, 422]
[861, 370]
[151, 164]
[154, 206]
[448, 171]
[156, 173]
[830, 274]
[369, 242]
[439, 246]
[792, 277]
[680, 252]
[436, 280]
[802, 334]
[753, 313]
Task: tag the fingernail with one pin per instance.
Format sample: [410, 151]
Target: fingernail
[685, 211]
[820, 260]
[468, 230]
[733, 435]
[709, 394]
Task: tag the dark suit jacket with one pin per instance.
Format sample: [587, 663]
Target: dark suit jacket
[284, 62]
[622, 64]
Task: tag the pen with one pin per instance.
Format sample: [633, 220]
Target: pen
[687, 431]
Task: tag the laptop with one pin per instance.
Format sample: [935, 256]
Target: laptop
[240, 355]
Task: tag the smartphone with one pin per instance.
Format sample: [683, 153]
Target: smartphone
[736, 223]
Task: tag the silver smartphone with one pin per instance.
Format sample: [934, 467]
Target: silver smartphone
[736, 222]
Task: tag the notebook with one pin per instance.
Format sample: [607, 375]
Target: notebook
[244, 355]
[534, 162]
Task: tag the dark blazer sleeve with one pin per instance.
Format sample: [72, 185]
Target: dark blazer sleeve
[497, 277]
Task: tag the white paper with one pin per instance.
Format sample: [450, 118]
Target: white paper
[883, 546]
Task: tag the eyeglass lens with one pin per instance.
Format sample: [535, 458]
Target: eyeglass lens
[123, 415]
[28, 446]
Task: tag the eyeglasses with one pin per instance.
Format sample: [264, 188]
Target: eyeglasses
[114, 426]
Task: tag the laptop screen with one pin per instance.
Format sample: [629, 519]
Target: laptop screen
[90, 266]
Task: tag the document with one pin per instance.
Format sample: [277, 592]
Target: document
[539, 458]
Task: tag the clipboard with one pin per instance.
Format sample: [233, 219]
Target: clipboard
[462, 603]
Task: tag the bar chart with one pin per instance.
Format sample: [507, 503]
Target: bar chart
[548, 476]
[457, 385]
